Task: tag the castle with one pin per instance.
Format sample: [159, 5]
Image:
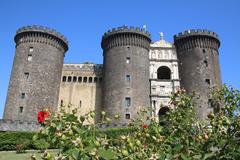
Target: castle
[136, 73]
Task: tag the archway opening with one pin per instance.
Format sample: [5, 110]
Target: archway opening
[163, 73]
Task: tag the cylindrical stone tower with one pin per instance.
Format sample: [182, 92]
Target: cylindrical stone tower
[36, 73]
[126, 87]
[199, 65]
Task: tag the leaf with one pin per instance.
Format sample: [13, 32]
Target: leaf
[184, 157]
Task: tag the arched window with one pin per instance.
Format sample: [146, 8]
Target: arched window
[64, 78]
[74, 79]
[85, 79]
[69, 79]
[90, 80]
[79, 79]
[163, 73]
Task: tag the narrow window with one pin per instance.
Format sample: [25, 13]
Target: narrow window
[61, 104]
[21, 109]
[127, 102]
[64, 78]
[26, 75]
[207, 81]
[80, 103]
[127, 116]
[128, 60]
[90, 80]
[205, 63]
[210, 103]
[204, 51]
[30, 49]
[128, 78]
[85, 79]
[95, 79]
[79, 79]
[74, 79]
[29, 57]
[23, 95]
[69, 79]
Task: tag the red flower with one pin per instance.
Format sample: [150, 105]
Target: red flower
[145, 126]
[41, 116]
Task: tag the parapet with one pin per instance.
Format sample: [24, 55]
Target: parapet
[122, 36]
[42, 32]
[196, 38]
[196, 32]
[126, 29]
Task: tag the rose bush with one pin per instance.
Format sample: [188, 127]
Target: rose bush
[177, 134]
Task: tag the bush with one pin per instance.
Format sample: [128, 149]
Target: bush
[178, 136]
[41, 145]
[14, 140]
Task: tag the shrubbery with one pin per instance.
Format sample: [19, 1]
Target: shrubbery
[16, 140]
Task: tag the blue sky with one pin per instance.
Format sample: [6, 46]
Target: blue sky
[83, 22]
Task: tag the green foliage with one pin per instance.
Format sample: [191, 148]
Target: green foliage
[15, 140]
[41, 144]
[177, 135]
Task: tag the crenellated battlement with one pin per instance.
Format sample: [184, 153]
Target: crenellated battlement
[41, 34]
[126, 29]
[196, 38]
[122, 36]
[196, 32]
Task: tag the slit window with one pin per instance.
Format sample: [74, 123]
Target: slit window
[29, 57]
[61, 104]
[23, 95]
[69, 79]
[207, 81]
[128, 78]
[128, 60]
[26, 75]
[127, 116]
[64, 78]
[127, 102]
[80, 103]
[21, 109]
[30, 49]
[205, 63]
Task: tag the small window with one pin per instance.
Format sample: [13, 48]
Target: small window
[80, 103]
[128, 60]
[69, 79]
[127, 116]
[90, 80]
[85, 79]
[204, 51]
[29, 57]
[74, 79]
[127, 102]
[79, 79]
[100, 80]
[61, 104]
[64, 78]
[30, 49]
[128, 78]
[26, 75]
[205, 63]
[210, 103]
[95, 79]
[21, 109]
[207, 81]
[23, 95]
